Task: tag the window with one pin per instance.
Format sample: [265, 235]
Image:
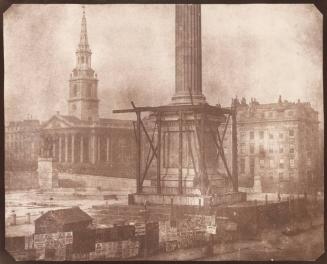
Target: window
[270, 114]
[251, 148]
[262, 163]
[281, 135]
[271, 163]
[82, 59]
[291, 148]
[242, 136]
[291, 132]
[73, 107]
[242, 165]
[89, 90]
[261, 134]
[251, 134]
[261, 148]
[291, 163]
[281, 148]
[290, 113]
[271, 136]
[252, 166]
[271, 175]
[243, 148]
[281, 163]
[291, 175]
[309, 161]
[271, 148]
[75, 90]
[281, 176]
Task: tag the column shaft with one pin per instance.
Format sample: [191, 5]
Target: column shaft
[73, 149]
[82, 149]
[60, 149]
[66, 148]
[107, 149]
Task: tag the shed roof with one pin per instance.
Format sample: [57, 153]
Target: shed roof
[67, 216]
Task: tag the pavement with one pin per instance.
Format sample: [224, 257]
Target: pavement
[271, 245]
[307, 245]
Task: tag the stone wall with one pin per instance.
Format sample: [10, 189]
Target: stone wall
[102, 182]
[21, 180]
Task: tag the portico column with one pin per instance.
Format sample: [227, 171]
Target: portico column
[92, 149]
[60, 149]
[82, 149]
[66, 148]
[107, 149]
[73, 148]
[53, 148]
[98, 148]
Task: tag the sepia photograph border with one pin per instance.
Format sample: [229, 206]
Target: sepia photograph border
[321, 5]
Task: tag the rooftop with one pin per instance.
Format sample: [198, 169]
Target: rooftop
[67, 215]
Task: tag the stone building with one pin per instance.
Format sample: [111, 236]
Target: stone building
[22, 144]
[83, 142]
[277, 146]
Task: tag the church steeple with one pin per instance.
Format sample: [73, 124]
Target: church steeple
[83, 101]
[83, 43]
[83, 52]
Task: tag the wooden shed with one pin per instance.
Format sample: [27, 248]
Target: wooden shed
[62, 220]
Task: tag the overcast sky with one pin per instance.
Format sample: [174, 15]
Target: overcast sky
[248, 50]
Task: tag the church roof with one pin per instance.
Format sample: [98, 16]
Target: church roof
[68, 121]
[73, 119]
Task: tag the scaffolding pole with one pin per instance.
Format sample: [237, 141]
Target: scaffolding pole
[234, 148]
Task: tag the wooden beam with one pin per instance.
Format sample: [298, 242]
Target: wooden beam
[214, 110]
[234, 150]
[139, 153]
[159, 154]
[180, 154]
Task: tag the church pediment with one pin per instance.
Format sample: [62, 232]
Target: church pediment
[55, 123]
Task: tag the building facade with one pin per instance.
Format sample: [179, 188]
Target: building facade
[22, 139]
[278, 146]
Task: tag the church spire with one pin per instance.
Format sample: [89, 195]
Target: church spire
[83, 43]
[83, 101]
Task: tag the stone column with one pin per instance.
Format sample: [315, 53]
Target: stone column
[188, 55]
[107, 149]
[73, 148]
[54, 148]
[99, 148]
[60, 149]
[82, 149]
[66, 148]
[92, 150]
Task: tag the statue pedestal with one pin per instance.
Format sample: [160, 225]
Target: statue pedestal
[180, 166]
[48, 176]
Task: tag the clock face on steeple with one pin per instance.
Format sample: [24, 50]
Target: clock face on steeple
[83, 102]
